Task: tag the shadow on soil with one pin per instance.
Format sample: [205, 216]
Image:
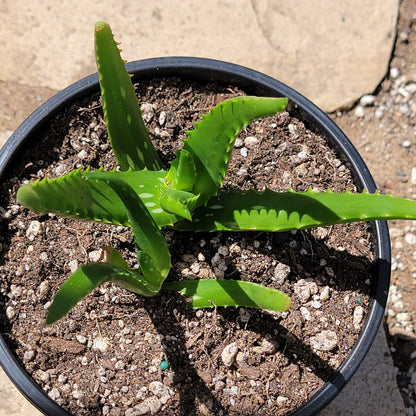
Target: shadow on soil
[197, 380]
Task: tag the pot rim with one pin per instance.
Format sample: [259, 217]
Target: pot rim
[220, 71]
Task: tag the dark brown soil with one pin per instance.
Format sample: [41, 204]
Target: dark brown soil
[105, 356]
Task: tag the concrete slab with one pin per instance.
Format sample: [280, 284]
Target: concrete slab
[4, 135]
[17, 101]
[13, 403]
[332, 52]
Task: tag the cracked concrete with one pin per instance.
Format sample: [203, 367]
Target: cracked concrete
[332, 73]
[332, 52]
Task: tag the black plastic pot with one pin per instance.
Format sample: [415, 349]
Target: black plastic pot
[254, 83]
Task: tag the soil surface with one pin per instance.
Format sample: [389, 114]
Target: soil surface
[106, 356]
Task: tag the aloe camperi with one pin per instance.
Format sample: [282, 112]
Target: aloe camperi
[146, 196]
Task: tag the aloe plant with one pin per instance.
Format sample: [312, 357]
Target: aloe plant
[146, 196]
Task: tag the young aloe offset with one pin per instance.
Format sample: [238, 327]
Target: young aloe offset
[146, 196]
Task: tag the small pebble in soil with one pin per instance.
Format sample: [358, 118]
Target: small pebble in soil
[43, 256]
[33, 230]
[304, 289]
[358, 317]
[241, 358]
[43, 289]
[244, 152]
[244, 315]
[315, 304]
[238, 142]
[410, 238]
[60, 169]
[10, 313]
[267, 346]
[83, 154]
[195, 267]
[29, 356]
[54, 393]
[293, 130]
[305, 313]
[161, 391]
[282, 401]
[148, 111]
[201, 257]
[324, 341]
[229, 353]
[403, 317]
[81, 339]
[251, 141]
[42, 376]
[95, 255]
[15, 291]
[119, 365]
[325, 293]
[73, 265]
[150, 405]
[162, 117]
[14, 210]
[223, 250]
[47, 305]
[100, 344]
[281, 272]
[302, 155]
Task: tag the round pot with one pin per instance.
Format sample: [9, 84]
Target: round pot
[257, 84]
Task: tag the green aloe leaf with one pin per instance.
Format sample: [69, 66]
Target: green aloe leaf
[83, 282]
[73, 196]
[177, 202]
[128, 135]
[90, 276]
[182, 172]
[154, 256]
[211, 142]
[236, 210]
[207, 293]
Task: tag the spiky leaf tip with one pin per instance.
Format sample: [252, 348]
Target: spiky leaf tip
[210, 144]
[128, 134]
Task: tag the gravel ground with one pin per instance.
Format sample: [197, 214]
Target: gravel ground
[383, 128]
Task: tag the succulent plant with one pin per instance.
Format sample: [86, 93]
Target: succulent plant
[147, 196]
